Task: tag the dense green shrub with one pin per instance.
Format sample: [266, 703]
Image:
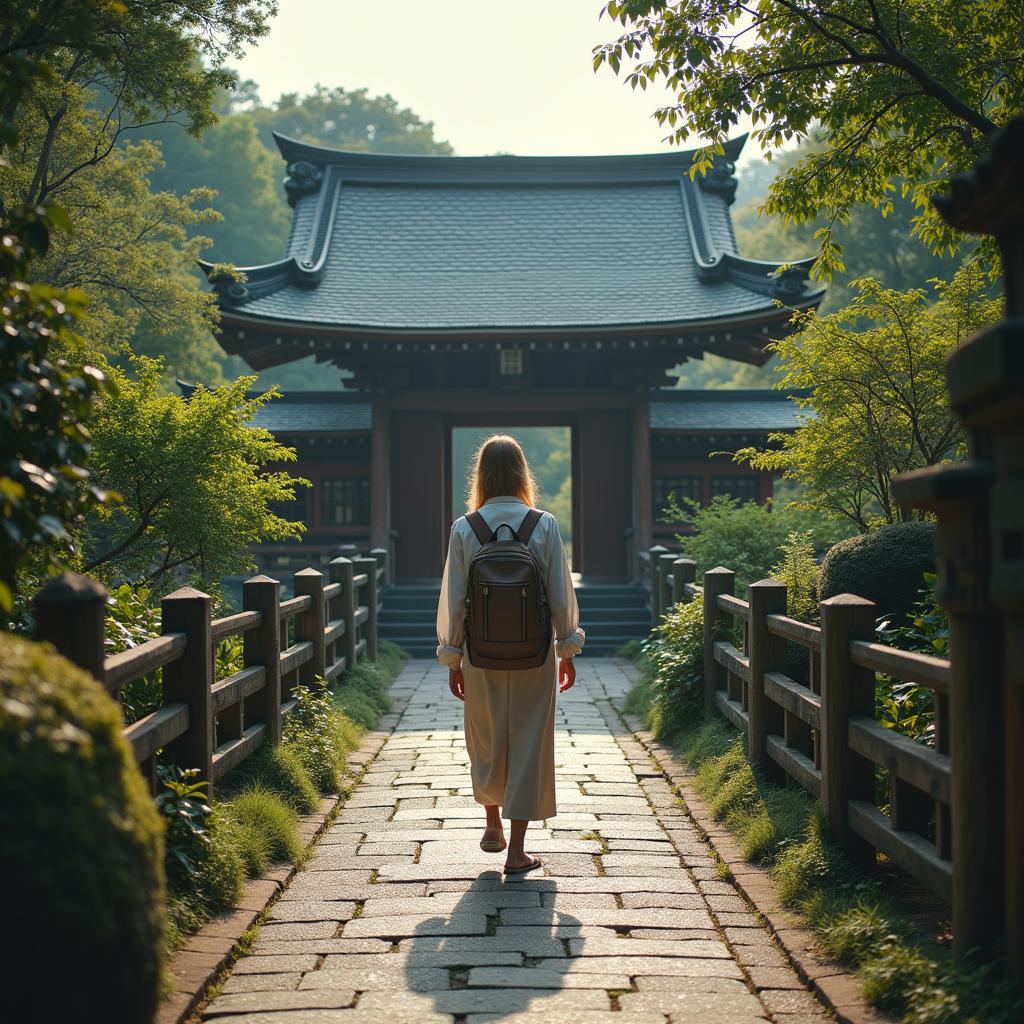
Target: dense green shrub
[279, 769]
[262, 813]
[798, 569]
[81, 848]
[181, 800]
[886, 566]
[315, 732]
[675, 663]
[746, 537]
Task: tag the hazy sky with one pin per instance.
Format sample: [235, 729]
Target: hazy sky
[493, 75]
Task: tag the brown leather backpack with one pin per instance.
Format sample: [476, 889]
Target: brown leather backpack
[508, 623]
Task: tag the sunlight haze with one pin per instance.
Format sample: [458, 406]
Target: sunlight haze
[493, 77]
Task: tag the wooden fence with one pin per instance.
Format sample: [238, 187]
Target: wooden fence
[969, 790]
[208, 723]
[822, 732]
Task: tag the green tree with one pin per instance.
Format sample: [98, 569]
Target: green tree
[877, 404]
[350, 119]
[132, 250]
[194, 477]
[95, 72]
[906, 93]
[45, 406]
[244, 177]
[875, 244]
[139, 62]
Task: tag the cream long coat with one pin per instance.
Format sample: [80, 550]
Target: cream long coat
[510, 716]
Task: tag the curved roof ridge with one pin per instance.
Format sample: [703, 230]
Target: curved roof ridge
[658, 166]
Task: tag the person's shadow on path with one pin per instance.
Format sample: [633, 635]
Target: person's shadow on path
[512, 921]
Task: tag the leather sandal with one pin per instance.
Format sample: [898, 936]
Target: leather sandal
[532, 865]
[493, 845]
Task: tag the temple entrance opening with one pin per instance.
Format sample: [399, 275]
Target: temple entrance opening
[549, 452]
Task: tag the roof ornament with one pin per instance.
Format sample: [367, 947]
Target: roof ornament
[304, 178]
[788, 282]
[720, 180]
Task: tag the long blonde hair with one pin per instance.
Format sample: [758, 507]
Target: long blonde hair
[500, 467]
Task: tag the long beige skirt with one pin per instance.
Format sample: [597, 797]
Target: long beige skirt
[510, 734]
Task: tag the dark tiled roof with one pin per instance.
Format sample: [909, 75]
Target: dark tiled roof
[293, 414]
[428, 243]
[303, 412]
[753, 410]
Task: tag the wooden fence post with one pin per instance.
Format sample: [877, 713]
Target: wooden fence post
[380, 555]
[190, 677]
[846, 689]
[262, 646]
[369, 566]
[665, 563]
[684, 570]
[716, 581]
[766, 653]
[70, 612]
[310, 625]
[342, 571]
[655, 554]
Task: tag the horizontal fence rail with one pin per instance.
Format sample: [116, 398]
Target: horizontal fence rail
[214, 724]
[821, 730]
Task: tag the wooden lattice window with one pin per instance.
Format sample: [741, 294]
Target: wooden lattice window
[741, 488]
[682, 487]
[345, 501]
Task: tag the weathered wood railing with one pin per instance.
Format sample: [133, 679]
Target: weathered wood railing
[822, 731]
[208, 723]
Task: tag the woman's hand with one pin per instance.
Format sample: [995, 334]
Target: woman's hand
[566, 674]
[457, 683]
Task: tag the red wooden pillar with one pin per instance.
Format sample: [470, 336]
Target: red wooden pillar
[642, 515]
[417, 493]
[605, 492]
[380, 473]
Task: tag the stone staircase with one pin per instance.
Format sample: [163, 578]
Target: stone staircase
[611, 613]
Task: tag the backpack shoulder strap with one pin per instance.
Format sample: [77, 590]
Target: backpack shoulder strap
[480, 527]
[526, 527]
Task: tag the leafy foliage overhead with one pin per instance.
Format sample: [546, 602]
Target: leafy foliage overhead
[194, 479]
[877, 404]
[903, 90]
[132, 250]
[140, 61]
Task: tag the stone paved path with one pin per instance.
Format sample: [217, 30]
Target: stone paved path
[398, 916]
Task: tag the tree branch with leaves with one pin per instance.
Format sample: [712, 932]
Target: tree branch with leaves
[906, 93]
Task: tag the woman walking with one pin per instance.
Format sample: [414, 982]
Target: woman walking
[509, 713]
